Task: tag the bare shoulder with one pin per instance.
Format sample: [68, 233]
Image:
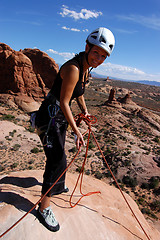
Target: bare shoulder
[70, 68]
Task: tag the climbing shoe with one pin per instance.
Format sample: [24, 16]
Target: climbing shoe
[65, 190]
[48, 219]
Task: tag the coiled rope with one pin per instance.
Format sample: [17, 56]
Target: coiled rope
[89, 120]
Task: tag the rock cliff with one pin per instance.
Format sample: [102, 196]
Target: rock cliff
[26, 75]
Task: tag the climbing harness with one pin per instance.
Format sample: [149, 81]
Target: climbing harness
[52, 110]
[89, 120]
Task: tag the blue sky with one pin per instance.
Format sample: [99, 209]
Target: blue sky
[60, 29]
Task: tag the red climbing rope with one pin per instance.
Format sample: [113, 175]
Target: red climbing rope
[89, 120]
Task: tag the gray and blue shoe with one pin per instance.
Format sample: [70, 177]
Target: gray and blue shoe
[47, 218]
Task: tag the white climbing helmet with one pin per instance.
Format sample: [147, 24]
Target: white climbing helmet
[102, 37]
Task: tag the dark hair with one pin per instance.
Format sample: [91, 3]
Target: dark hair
[90, 44]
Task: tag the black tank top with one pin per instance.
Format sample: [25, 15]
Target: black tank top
[80, 86]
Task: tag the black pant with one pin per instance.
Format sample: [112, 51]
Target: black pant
[56, 161]
[53, 145]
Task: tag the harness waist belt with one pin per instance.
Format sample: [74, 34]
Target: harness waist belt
[53, 98]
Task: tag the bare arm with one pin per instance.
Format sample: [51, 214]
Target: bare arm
[70, 76]
[82, 105]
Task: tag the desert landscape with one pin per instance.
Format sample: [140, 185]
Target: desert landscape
[127, 129]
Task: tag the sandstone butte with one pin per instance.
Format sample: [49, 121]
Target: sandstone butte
[103, 216]
[26, 76]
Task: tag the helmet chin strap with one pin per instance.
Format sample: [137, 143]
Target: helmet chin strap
[87, 60]
[87, 53]
[87, 57]
[90, 70]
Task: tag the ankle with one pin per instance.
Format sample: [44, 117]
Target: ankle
[44, 203]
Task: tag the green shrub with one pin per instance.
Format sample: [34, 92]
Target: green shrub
[35, 150]
[78, 169]
[8, 117]
[155, 205]
[8, 138]
[14, 165]
[153, 182]
[126, 126]
[145, 186]
[15, 147]
[129, 182]
[87, 172]
[30, 129]
[149, 213]
[91, 145]
[127, 163]
[12, 133]
[145, 211]
[31, 161]
[30, 167]
[73, 150]
[1, 168]
[141, 200]
[98, 175]
[156, 139]
[157, 191]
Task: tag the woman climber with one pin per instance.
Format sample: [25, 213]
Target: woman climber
[55, 114]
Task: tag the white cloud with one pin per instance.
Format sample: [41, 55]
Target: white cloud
[125, 72]
[83, 14]
[114, 70]
[65, 55]
[74, 29]
[120, 68]
[85, 30]
[152, 21]
[71, 29]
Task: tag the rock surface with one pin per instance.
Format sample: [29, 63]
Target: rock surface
[100, 216]
[43, 65]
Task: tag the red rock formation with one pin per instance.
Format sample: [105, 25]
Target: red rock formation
[43, 65]
[27, 75]
[29, 72]
[126, 99]
[112, 100]
[112, 95]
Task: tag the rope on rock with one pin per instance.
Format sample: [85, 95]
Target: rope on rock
[89, 120]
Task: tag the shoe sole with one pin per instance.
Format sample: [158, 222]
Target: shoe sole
[51, 228]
